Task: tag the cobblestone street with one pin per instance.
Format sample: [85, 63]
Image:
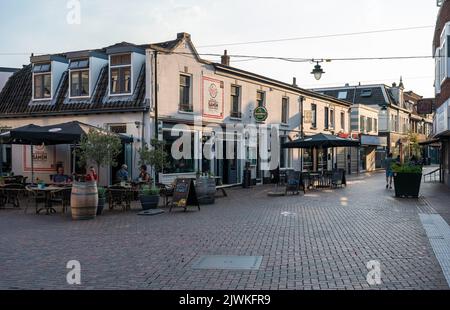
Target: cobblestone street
[322, 240]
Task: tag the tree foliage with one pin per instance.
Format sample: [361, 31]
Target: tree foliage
[155, 156]
[99, 147]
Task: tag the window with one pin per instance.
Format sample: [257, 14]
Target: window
[79, 64]
[183, 165]
[42, 81]
[342, 95]
[375, 125]
[362, 123]
[369, 124]
[79, 83]
[313, 115]
[185, 93]
[327, 118]
[235, 101]
[285, 110]
[343, 121]
[261, 98]
[332, 118]
[120, 74]
[366, 93]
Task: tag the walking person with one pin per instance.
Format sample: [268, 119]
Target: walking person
[389, 173]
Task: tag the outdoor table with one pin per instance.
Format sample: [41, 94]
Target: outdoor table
[48, 191]
[126, 193]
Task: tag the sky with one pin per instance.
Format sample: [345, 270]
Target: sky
[41, 27]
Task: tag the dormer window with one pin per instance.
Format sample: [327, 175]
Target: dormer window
[79, 78]
[366, 93]
[120, 74]
[42, 81]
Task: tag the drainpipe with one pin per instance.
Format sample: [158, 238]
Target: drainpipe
[156, 95]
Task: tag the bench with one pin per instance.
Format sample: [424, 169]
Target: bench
[223, 187]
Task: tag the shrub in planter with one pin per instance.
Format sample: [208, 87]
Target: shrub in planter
[101, 200]
[407, 179]
[149, 197]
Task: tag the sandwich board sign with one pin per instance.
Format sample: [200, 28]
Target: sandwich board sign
[184, 194]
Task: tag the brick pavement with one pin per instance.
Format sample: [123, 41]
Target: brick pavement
[323, 242]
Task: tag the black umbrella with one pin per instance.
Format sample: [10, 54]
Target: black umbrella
[320, 141]
[64, 133]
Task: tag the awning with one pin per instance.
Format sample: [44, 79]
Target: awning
[429, 142]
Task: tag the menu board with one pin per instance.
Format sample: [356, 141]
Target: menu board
[184, 194]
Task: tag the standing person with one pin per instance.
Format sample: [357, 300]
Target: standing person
[122, 174]
[389, 173]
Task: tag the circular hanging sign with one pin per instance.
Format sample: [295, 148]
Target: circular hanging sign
[260, 114]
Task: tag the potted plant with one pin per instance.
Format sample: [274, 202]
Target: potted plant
[149, 197]
[407, 179]
[101, 199]
[102, 148]
[156, 156]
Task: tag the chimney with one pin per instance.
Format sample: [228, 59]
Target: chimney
[294, 82]
[225, 59]
[183, 35]
[347, 84]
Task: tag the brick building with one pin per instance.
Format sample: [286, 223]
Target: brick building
[441, 51]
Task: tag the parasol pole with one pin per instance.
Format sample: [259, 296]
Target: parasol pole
[32, 164]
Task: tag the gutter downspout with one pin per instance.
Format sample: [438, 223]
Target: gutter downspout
[156, 95]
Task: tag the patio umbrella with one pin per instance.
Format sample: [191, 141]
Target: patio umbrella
[64, 133]
[320, 141]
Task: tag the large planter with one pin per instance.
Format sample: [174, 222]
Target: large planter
[407, 184]
[101, 205]
[149, 201]
[206, 190]
[84, 200]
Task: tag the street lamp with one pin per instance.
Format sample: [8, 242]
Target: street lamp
[317, 71]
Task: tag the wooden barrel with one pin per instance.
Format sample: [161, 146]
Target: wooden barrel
[206, 190]
[84, 200]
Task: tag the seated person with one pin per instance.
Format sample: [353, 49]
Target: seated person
[91, 175]
[122, 174]
[60, 177]
[143, 175]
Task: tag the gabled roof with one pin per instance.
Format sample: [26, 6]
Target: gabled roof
[379, 94]
[260, 78]
[15, 98]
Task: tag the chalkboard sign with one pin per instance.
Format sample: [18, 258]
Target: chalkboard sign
[184, 194]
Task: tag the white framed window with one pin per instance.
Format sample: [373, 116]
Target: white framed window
[79, 78]
[120, 74]
[342, 95]
[185, 93]
[343, 121]
[42, 81]
[235, 101]
[332, 118]
[285, 110]
[260, 98]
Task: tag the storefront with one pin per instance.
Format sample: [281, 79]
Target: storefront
[372, 152]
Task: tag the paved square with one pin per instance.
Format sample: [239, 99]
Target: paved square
[322, 240]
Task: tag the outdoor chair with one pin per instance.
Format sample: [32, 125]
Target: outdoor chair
[294, 182]
[62, 198]
[166, 191]
[35, 198]
[119, 197]
[12, 193]
[337, 178]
